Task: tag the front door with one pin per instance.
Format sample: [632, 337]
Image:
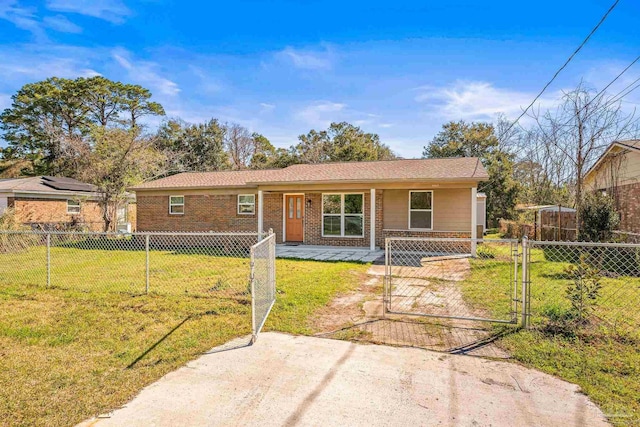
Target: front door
[294, 213]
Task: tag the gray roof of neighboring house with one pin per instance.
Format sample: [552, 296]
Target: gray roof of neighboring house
[47, 184]
[447, 169]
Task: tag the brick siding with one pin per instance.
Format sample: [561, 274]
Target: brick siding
[628, 197]
[53, 213]
[217, 212]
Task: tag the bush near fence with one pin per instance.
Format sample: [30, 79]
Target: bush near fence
[553, 267]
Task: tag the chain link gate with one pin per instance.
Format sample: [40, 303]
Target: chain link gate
[263, 281]
[452, 278]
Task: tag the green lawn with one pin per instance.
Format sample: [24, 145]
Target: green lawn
[67, 353]
[602, 359]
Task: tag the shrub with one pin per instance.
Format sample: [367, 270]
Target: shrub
[584, 292]
[599, 218]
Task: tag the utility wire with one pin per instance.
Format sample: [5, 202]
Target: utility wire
[584, 42]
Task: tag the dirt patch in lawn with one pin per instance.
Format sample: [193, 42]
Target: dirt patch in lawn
[359, 316]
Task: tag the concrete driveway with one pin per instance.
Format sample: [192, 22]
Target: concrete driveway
[287, 380]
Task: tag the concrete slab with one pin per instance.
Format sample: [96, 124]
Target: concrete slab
[287, 380]
[328, 253]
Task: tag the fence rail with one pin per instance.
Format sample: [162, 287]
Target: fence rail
[593, 284]
[451, 277]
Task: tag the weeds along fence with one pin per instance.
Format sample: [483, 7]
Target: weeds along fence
[195, 264]
[592, 285]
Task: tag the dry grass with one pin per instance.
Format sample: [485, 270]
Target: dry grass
[67, 354]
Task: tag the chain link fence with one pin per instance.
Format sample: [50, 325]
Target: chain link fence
[263, 281]
[196, 264]
[590, 284]
[452, 278]
[201, 265]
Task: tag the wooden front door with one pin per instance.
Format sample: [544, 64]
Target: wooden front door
[294, 211]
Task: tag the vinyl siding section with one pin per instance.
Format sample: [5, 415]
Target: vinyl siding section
[627, 165]
[451, 209]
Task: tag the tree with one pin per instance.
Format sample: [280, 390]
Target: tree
[240, 146]
[43, 115]
[120, 159]
[599, 218]
[461, 139]
[341, 142]
[136, 103]
[193, 147]
[579, 130]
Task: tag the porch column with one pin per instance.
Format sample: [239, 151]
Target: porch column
[474, 219]
[260, 213]
[372, 222]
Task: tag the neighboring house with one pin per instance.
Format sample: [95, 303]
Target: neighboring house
[321, 204]
[617, 173]
[45, 202]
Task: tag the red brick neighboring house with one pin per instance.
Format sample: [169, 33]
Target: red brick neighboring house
[44, 202]
[321, 204]
[617, 173]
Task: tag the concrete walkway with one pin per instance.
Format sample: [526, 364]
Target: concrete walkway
[286, 380]
[328, 253]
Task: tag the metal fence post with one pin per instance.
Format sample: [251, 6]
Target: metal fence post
[525, 282]
[386, 287]
[514, 307]
[146, 249]
[253, 295]
[48, 260]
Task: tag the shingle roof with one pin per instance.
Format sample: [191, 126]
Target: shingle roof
[449, 169]
[45, 184]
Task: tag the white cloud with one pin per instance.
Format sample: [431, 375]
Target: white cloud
[62, 24]
[321, 113]
[208, 84]
[266, 108]
[113, 11]
[21, 17]
[476, 100]
[25, 63]
[307, 59]
[145, 72]
[5, 101]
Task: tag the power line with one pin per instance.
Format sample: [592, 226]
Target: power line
[584, 42]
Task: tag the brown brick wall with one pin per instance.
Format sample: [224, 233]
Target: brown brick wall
[428, 234]
[628, 197]
[219, 213]
[216, 212]
[273, 214]
[49, 212]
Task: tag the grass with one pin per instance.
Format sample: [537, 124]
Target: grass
[67, 354]
[604, 361]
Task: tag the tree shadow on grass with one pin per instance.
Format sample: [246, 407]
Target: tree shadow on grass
[226, 346]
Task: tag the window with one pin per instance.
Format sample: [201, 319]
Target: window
[176, 205]
[73, 207]
[421, 209]
[343, 215]
[246, 204]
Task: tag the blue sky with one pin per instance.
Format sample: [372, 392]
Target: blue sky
[281, 68]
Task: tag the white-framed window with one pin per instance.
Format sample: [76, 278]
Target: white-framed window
[176, 205]
[246, 204]
[343, 215]
[421, 210]
[73, 207]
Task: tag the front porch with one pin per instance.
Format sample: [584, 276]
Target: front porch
[329, 253]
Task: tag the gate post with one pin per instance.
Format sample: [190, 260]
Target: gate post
[386, 291]
[48, 260]
[525, 282]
